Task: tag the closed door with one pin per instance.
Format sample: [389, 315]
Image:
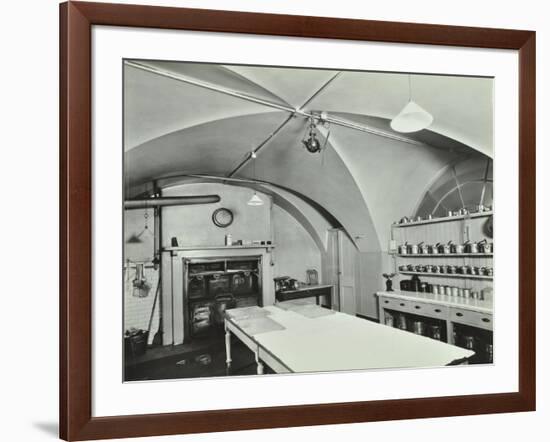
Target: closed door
[341, 262]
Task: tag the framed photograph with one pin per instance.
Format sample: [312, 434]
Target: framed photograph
[272, 220]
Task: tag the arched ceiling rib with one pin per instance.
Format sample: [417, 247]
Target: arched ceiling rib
[322, 177]
[214, 148]
[295, 86]
[461, 106]
[155, 106]
[175, 127]
[219, 75]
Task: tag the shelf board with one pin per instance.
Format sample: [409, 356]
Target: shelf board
[444, 219]
[446, 255]
[447, 275]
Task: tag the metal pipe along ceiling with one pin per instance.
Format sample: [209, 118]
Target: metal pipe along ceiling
[299, 111]
[171, 201]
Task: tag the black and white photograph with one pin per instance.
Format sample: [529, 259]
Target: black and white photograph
[282, 219]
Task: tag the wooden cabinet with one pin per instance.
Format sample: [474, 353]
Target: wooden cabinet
[472, 318]
[474, 313]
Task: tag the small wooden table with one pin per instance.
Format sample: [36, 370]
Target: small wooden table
[308, 291]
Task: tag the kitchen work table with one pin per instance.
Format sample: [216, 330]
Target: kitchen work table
[294, 337]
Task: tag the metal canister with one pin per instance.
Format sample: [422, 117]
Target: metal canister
[469, 342]
[457, 248]
[489, 352]
[435, 332]
[402, 322]
[448, 290]
[451, 269]
[454, 291]
[466, 293]
[388, 320]
[418, 327]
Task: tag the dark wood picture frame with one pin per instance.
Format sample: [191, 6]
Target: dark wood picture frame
[76, 20]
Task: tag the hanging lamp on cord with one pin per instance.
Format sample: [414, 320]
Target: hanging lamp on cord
[412, 117]
[255, 200]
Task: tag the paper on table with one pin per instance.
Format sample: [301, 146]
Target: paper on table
[247, 312]
[308, 310]
[255, 326]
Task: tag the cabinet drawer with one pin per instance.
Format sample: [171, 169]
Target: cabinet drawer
[394, 304]
[431, 310]
[475, 319]
[415, 307]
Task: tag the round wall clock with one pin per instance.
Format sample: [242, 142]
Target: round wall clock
[222, 217]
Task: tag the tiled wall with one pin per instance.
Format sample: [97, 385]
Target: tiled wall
[137, 311]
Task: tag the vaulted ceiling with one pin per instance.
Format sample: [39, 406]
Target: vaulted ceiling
[190, 118]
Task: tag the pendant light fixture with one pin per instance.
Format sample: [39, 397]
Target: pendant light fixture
[311, 143]
[412, 117]
[137, 238]
[255, 200]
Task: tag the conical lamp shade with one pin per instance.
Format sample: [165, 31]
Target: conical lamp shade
[255, 200]
[412, 118]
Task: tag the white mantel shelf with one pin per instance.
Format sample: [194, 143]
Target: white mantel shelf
[188, 248]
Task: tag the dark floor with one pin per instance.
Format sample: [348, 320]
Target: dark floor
[204, 357]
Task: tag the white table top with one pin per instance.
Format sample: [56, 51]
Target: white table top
[337, 341]
[450, 301]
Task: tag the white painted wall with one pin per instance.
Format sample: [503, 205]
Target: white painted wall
[193, 225]
[296, 251]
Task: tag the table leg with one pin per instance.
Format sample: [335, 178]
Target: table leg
[227, 347]
[259, 365]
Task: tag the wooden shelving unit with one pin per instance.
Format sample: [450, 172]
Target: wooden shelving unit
[446, 255]
[446, 275]
[457, 229]
[444, 219]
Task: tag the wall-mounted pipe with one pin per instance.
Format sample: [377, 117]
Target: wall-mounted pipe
[171, 201]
